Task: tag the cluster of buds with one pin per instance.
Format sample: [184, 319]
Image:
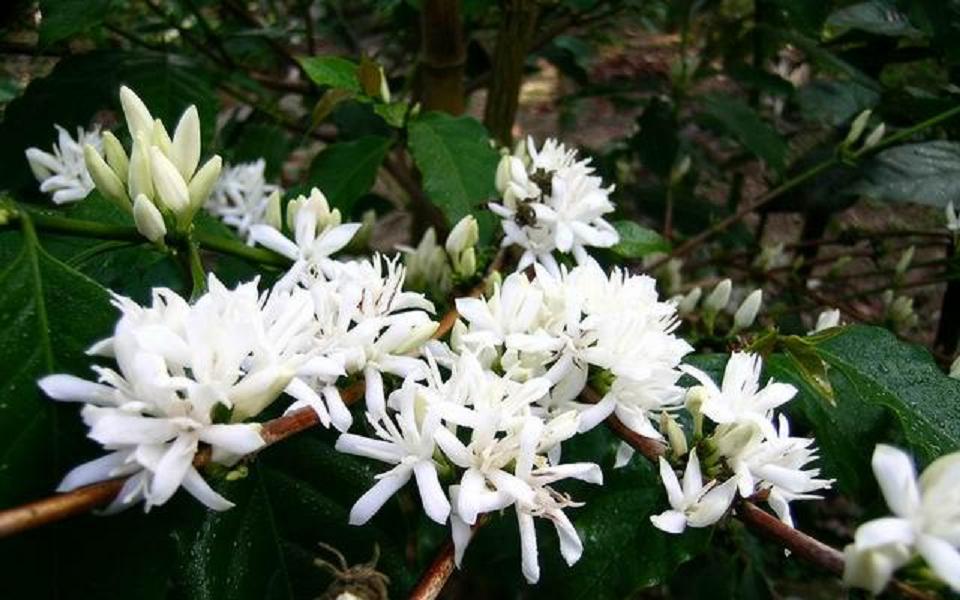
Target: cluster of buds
[717, 301]
[435, 268]
[159, 180]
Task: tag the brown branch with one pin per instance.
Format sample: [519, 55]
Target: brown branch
[436, 575]
[443, 57]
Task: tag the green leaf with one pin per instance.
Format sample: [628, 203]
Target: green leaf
[346, 171]
[295, 496]
[657, 142]
[874, 16]
[743, 123]
[637, 241]
[926, 172]
[886, 391]
[457, 162]
[65, 18]
[835, 102]
[82, 85]
[332, 71]
[809, 365]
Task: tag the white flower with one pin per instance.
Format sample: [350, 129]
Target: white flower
[242, 198]
[827, 319]
[317, 234]
[552, 203]
[740, 399]
[694, 504]
[63, 172]
[407, 443]
[926, 521]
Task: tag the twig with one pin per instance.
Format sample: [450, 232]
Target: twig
[436, 575]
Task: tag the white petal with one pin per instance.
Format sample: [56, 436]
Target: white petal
[106, 467]
[74, 389]
[237, 439]
[434, 501]
[593, 415]
[528, 548]
[461, 534]
[692, 476]
[883, 532]
[713, 504]
[374, 498]
[171, 469]
[897, 478]
[274, 240]
[453, 448]
[350, 443]
[194, 483]
[671, 484]
[624, 453]
[943, 558]
[120, 429]
[671, 521]
[339, 413]
[373, 392]
[571, 548]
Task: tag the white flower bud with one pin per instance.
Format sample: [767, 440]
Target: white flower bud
[160, 138]
[139, 120]
[271, 216]
[202, 183]
[679, 170]
[827, 319]
[503, 173]
[384, 87]
[733, 438]
[693, 402]
[418, 336]
[170, 186]
[953, 218]
[875, 136]
[955, 368]
[719, 297]
[467, 264]
[105, 179]
[116, 156]
[38, 163]
[148, 219]
[688, 303]
[747, 313]
[185, 149]
[463, 235]
[857, 127]
[257, 391]
[674, 434]
[139, 177]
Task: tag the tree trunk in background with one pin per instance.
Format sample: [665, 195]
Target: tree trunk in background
[517, 26]
[948, 330]
[442, 56]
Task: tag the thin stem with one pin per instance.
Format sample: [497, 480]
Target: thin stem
[198, 276]
[240, 250]
[796, 181]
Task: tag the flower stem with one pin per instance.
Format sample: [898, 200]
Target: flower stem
[195, 265]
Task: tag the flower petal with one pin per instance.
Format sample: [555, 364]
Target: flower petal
[374, 498]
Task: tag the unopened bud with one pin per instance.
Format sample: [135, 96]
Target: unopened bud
[170, 186]
[139, 120]
[467, 264]
[148, 219]
[747, 313]
[202, 183]
[674, 434]
[271, 216]
[417, 337]
[185, 149]
[693, 402]
[680, 170]
[257, 391]
[116, 156]
[875, 136]
[905, 259]
[503, 173]
[827, 319]
[464, 234]
[160, 138]
[384, 87]
[688, 303]
[719, 297]
[857, 127]
[105, 179]
[139, 178]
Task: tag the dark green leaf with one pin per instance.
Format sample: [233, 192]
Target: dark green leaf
[736, 118]
[657, 142]
[347, 170]
[885, 390]
[809, 365]
[65, 18]
[637, 241]
[835, 102]
[874, 16]
[457, 162]
[927, 172]
[332, 71]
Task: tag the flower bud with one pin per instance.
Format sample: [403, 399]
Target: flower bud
[674, 434]
[693, 402]
[955, 368]
[875, 136]
[688, 303]
[734, 438]
[464, 235]
[418, 336]
[503, 173]
[953, 218]
[747, 313]
[185, 149]
[160, 138]
[116, 156]
[202, 183]
[384, 87]
[139, 120]
[170, 186]
[679, 170]
[857, 127]
[719, 297]
[271, 216]
[467, 265]
[257, 391]
[827, 319]
[148, 219]
[905, 259]
[139, 177]
[105, 179]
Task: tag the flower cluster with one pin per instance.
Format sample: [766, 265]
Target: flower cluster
[63, 172]
[242, 198]
[755, 450]
[489, 438]
[926, 521]
[435, 268]
[552, 201]
[160, 174]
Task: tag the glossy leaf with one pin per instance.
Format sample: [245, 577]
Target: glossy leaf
[637, 241]
[926, 172]
[743, 123]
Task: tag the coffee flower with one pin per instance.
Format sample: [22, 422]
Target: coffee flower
[694, 504]
[926, 522]
[242, 198]
[63, 171]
